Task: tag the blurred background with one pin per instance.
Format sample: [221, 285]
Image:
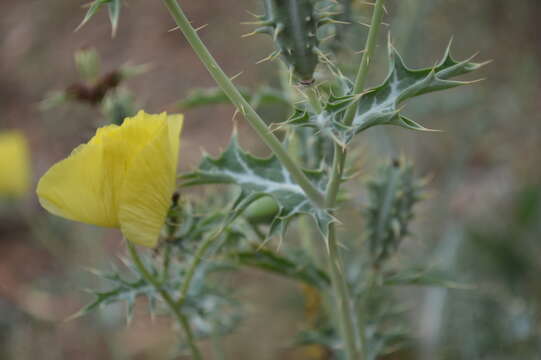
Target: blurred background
[481, 221]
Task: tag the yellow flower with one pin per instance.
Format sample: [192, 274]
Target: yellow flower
[123, 177]
[14, 164]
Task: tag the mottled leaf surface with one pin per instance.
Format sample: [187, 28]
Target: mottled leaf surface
[383, 104]
[257, 178]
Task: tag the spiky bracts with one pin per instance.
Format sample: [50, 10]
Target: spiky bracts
[392, 195]
[294, 24]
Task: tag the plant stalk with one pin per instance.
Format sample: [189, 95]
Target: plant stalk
[241, 104]
[182, 320]
[342, 296]
[340, 285]
[340, 153]
[369, 48]
[198, 257]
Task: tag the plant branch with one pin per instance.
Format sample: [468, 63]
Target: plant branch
[183, 322]
[342, 296]
[369, 48]
[340, 285]
[198, 257]
[340, 154]
[241, 104]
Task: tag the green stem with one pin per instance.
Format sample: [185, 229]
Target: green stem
[340, 154]
[240, 102]
[183, 322]
[340, 285]
[370, 45]
[198, 257]
[342, 295]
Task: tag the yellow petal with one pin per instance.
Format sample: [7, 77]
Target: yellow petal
[123, 177]
[145, 197]
[14, 164]
[121, 145]
[77, 188]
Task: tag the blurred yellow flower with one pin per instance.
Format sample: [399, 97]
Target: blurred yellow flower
[123, 177]
[14, 164]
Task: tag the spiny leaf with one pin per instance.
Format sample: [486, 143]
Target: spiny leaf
[216, 96]
[423, 277]
[296, 268]
[385, 326]
[123, 291]
[382, 105]
[114, 15]
[257, 178]
[92, 10]
[392, 195]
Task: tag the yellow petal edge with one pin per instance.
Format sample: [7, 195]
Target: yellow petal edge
[123, 177]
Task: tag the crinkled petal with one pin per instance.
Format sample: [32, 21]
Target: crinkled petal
[77, 188]
[145, 196]
[121, 144]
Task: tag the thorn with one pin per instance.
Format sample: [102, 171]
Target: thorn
[174, 29]
[259, 22]
[236, 76]
[249, 34]
[364, 24]
[279, 28]
[254, 15]
[242, 110]
[327, 38]
[271, 57]
[334, 21]
[323, 56]
[471, 82]
[277, 127]
[234, 117]
[481, 64]
[201, 27]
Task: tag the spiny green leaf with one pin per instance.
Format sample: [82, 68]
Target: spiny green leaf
[296, 268]
[257, 178]
[215, 96]
[392, 195]
[114, 15]
[92, 10]
[382, 105]
[124, 291]
[423, 277]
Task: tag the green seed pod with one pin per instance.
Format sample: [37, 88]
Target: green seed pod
[293, 25]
